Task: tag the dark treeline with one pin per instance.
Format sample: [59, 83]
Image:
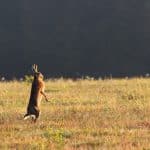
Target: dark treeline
[75, 37]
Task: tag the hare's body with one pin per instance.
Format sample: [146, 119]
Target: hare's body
[37, 92]
[35, 98]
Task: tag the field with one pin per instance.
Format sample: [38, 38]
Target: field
[84, 114]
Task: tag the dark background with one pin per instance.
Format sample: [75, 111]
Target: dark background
[72, 38]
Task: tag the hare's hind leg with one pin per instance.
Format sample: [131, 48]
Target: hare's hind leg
[27, 116]
[33, 118]
[36, 116]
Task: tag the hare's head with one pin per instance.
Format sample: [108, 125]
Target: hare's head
[37, 75]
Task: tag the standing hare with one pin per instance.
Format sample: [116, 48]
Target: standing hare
[37, 92]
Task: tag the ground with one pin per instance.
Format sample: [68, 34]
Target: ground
[82, 114]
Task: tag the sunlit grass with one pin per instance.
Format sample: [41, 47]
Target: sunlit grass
[82, 114]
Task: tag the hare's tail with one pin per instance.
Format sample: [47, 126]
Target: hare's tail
[27, 116]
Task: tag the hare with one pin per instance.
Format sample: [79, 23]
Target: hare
[37, 92]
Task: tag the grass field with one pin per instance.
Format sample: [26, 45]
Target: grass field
[82, 114]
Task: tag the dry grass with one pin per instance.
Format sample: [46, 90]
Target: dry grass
[83, 114]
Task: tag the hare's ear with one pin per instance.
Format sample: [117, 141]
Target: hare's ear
[35, 68]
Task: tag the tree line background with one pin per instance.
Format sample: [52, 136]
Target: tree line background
[73, 38]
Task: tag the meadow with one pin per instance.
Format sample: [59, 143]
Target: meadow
[85, 114]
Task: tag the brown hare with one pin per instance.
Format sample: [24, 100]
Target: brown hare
[37, 92]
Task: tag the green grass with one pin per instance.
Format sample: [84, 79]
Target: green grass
[82, 114]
